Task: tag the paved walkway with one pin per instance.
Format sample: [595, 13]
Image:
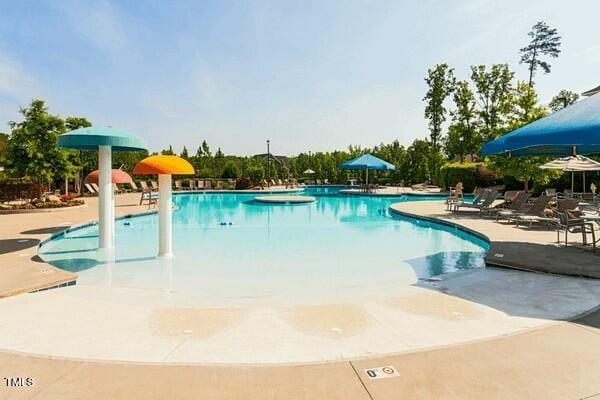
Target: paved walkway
[559, 361]
[21, 269]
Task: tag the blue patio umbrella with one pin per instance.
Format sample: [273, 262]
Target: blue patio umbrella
[367, 162]
[570, 131]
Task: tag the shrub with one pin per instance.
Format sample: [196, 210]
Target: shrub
[243, 183]
[455, 172]
[256, 174]
[16, 191]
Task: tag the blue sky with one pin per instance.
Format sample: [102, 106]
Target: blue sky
[309, 75]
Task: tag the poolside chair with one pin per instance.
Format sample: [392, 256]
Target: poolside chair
[144, 186]
[192, 183]
[483, 206]
[219, 185]
[178, 185]
[536, 213]
[479, 199]
[116, 189]
[550, 192]
[279, 182]
[95, 186]
[518, 205]
[134, 186]
[570, 223]
[200, 184]
[232, 184]
[90, 189]
[510, 196]
[456, 196]
[207, 185]
[154, 185]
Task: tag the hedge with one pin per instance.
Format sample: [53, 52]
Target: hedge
[17, 191]
[455, 172]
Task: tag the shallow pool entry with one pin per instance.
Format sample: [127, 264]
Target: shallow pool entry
[228, 246]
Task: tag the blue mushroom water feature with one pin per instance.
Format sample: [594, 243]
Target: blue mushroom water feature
[105, 141]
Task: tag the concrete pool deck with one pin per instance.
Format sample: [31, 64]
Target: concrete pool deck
[503, 365]
[532, 249]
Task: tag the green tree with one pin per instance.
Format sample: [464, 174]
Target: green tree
[84, 162]
[524, 110]
[32, 150]
[168, 152]
[494, 90]
[545, 41]
[440, 81]
[231, 171]
[418, 162]
[206, 150]
[184, 153]
[3, 144]
[463, 135]
[563, 99]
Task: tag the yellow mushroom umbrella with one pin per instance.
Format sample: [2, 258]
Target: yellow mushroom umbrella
[164, 167]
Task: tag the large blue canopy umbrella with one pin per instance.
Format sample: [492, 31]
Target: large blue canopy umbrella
[367, 162]
[572, 130]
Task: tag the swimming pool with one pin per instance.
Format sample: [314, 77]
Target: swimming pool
[227, 246]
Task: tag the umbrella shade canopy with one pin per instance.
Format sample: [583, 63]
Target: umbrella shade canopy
[91, 138]
[308, 172]
[572, 130]
[118, 176]
[573, 163]
[366, 162]
[163, 165]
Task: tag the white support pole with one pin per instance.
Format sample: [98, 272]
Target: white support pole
[165, 213]
[106, 225]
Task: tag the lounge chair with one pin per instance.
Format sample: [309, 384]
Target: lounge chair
[279, 182]
[570, 223]
[154, 185]
[550, 192]
[200, 184]
[134, 186]
[517, 206]
[536, 213]
[116, 189]
[90, 189]
[510, 196]
[192, 184]
[178, 185]
[485, 205]
[478, 200]
[95, 186]
[207, 185]
[144, 186]
[219, 185]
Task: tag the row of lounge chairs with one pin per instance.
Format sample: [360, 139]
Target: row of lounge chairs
[518, 208]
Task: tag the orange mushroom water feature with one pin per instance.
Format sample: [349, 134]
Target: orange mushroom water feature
[164, 167]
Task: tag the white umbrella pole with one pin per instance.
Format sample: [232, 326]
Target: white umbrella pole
[583, 181]
[572, 182]
[106, 225]
[367, 179]
[165, 214]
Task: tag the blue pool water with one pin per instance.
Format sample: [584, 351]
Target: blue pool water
[339, 245]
